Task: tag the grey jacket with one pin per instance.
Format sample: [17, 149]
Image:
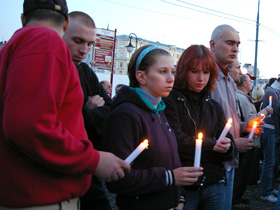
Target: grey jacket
[249, 111]
[225, 95]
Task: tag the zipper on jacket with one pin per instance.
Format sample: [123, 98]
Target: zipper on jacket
[183, 101]
[159, 118]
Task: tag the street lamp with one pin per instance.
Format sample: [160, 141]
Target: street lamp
[130, 47]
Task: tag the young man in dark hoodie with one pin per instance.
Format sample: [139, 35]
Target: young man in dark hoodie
[80, 37]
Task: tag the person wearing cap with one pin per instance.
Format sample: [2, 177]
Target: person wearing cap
[251, 77]
[224, 45]
[249, 112]
[79, 37]
[46, 157]
[269, 143]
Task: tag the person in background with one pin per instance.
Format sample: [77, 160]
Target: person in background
[248, 110]
[137, 114]
[224, 45]
[235, 70]
[42, 134]
[257, 95]
[269, 144]
[270, 82]
[118, 87]
[277, 137]
[190, 110]
[106, 86]
[80, 37]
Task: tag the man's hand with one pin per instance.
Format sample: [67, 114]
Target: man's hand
[95, 101]
[185, 176]
[223, 145]
[269, 110]
[259, 129]
[110, 167]
[243, 144]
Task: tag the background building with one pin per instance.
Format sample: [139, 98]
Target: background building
[122, 56]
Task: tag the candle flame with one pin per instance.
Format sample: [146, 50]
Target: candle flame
[200, 135]
[230, 120]
[145, 143]
[270, 97]
[255, 123]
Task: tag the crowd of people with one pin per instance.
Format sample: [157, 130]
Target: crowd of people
[64, 141]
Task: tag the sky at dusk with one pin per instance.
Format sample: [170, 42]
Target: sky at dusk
[178, 22]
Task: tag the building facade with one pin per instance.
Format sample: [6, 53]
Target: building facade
[122, 56]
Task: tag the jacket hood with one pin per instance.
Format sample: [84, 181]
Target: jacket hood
[130, 95]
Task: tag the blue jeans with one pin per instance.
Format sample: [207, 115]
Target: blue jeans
[278, 200]
[268, 147]
[208, 198]
[228, 190]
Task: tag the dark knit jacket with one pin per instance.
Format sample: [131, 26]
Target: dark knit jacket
[130, 122]
[188, 114]
[93, 118]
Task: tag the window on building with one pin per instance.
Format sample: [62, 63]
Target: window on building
[121, 54]
[121, 64]
[122, 45]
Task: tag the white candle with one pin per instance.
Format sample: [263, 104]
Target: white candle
[270, 101]
[226, 129]
[143, 145]
[263, 116]
[198, 146]
[253, 130]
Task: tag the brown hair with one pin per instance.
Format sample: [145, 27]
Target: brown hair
[148, 60]
[196, 56]
[83, 17]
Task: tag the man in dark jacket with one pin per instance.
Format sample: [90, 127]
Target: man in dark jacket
[268, 142]
[79, 38]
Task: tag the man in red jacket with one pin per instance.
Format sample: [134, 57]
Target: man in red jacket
[46, 157]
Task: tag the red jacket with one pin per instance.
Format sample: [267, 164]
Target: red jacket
[45, 155]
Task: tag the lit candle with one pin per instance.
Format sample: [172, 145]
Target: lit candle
[270, 101]
[226, 129]
[253, 130]
[143, 145]
[198, 146]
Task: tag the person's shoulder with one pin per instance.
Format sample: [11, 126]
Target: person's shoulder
[39, 32]
[86, 67]
[269, 91]
[175, 94]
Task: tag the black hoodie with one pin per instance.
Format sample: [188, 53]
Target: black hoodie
[145, 186]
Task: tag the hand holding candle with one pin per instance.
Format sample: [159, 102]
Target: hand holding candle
[137, 151]
[198, 146]
[226, 129]
[253, 130]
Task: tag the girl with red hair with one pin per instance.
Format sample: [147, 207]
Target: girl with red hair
[190, 110]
